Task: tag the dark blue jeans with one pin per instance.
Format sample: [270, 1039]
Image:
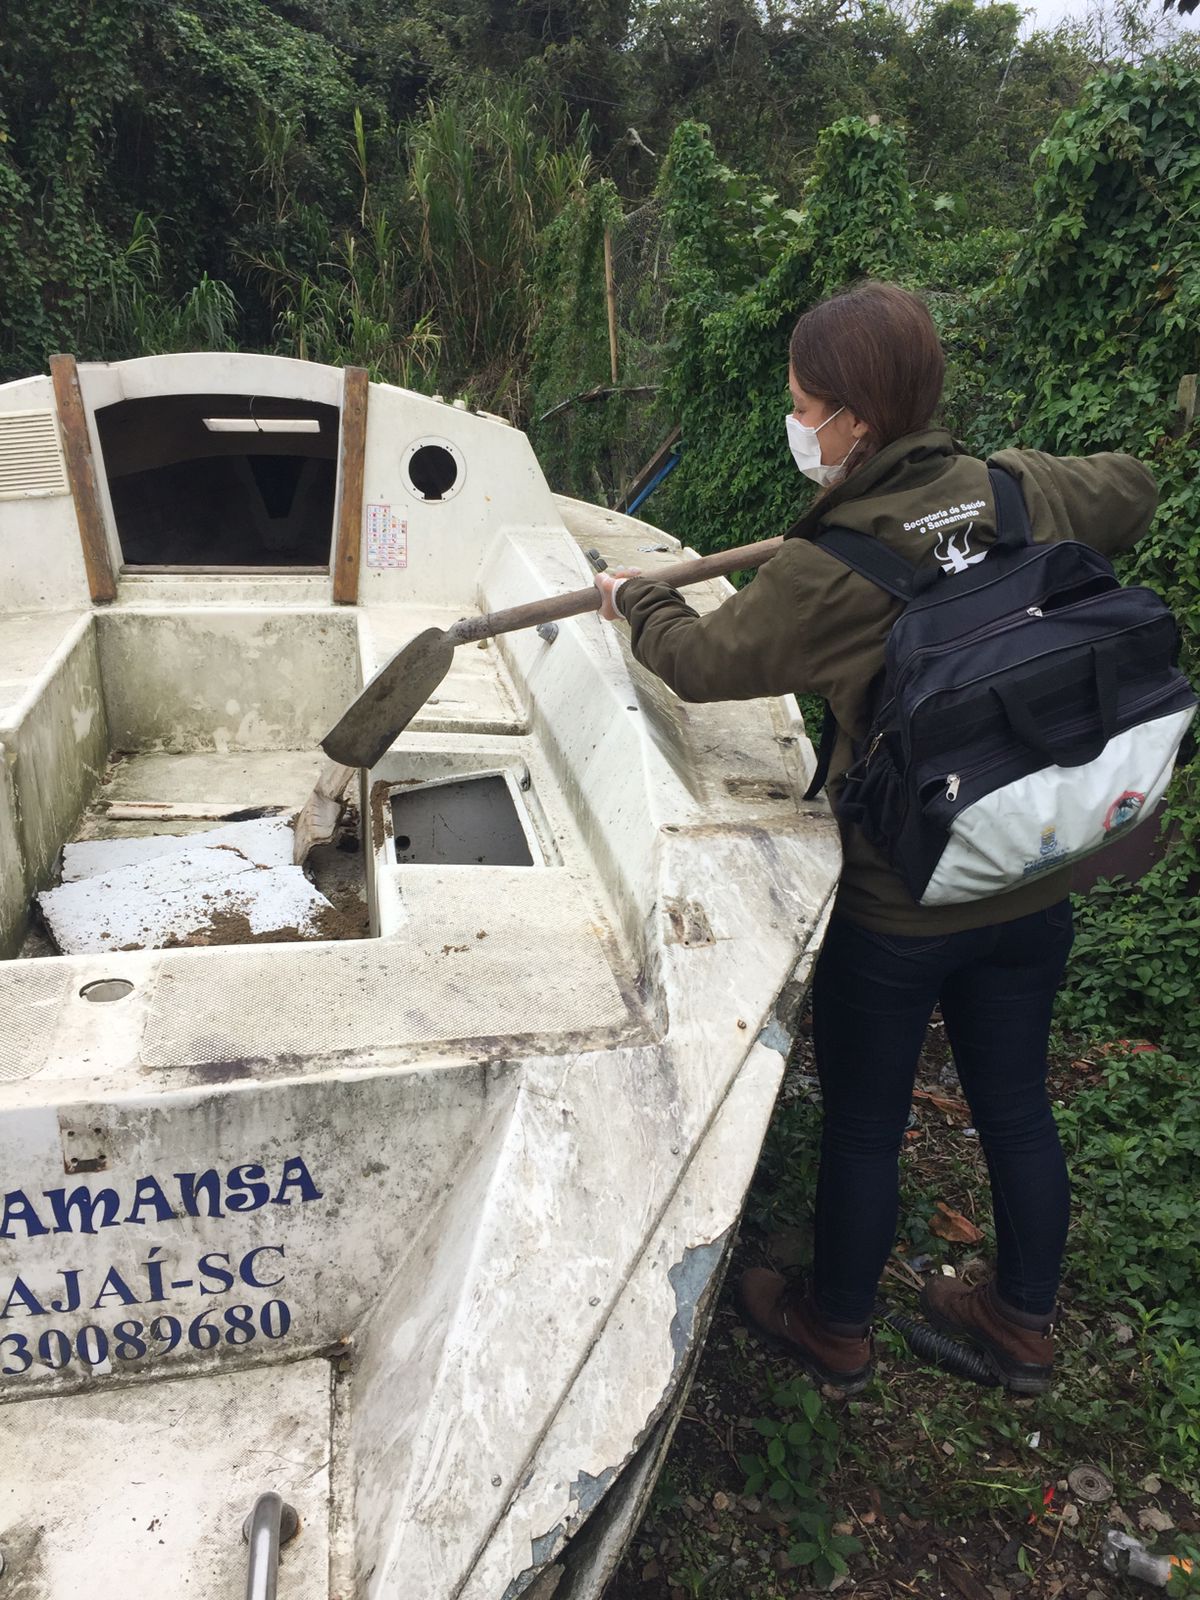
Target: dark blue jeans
[873, 994]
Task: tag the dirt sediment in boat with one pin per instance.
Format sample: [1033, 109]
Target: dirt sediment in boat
[233, 927]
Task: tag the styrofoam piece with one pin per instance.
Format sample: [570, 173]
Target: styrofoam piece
[266, 842]
[184, 896]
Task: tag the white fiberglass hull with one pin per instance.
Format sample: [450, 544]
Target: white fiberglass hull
[419, 1229]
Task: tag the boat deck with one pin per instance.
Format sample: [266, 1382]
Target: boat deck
[453, 975]
[29, 643]
[152, 1481]
[476, 693]
[243, 778]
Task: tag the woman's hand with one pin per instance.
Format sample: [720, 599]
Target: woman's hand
[608, 582]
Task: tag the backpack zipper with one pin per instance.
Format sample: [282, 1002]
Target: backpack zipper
[1041, 655]
[1035, 551]
[955, 780]
[990, 630]
[1013, 619]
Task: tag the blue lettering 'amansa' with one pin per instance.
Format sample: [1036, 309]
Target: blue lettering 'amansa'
[188, 1194]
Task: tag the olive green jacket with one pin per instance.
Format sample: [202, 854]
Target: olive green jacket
[809, 624]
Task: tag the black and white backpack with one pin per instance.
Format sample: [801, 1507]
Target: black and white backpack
[1032, 707]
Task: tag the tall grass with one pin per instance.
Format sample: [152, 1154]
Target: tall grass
[484, 182]
[131, 316]
[433, 283]
[345, 300]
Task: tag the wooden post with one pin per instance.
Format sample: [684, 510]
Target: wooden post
[610, 291]
[81, 475]
[348, 545]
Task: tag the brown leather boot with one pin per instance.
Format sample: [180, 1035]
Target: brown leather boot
[837, 1353]
[1019, 1347]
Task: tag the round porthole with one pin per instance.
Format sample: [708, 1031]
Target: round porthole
[434, 469]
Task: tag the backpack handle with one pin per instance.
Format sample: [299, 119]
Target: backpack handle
[1024, 723]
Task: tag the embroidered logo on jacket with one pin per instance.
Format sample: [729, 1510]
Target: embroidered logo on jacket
[950, 558]
[940, 522]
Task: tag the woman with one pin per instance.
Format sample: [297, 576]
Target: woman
[866, 373]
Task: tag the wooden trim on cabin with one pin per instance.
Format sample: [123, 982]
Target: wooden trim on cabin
[348, 543]
[81, 475]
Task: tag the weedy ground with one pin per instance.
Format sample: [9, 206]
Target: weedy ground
[927, 1484]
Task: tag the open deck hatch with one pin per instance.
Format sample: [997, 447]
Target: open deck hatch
[470, 821]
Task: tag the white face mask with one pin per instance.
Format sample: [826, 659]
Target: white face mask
[806, 449]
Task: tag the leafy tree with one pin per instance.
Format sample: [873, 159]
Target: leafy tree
[767, 80]
[1108, 286]
[334, 177]
[129, 108]
[570, 351]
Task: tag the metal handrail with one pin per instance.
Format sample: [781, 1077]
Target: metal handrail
[271, 1524]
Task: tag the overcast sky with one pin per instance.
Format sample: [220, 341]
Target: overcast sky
[1045, 13]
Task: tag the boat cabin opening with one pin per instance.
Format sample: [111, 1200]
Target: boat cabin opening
[206, 482]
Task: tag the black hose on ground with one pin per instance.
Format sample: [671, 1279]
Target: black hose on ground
[940, 1350]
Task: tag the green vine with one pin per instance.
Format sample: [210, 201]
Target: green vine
[745, 267]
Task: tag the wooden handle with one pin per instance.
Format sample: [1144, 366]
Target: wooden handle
[579, 601]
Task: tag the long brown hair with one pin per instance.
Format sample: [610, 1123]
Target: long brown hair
[874, 349]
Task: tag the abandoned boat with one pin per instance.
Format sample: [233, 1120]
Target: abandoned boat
[414, 1222]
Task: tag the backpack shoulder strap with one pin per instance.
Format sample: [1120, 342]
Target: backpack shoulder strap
[870, 559]
[829, 731]
[1013, 527]
[880, 566]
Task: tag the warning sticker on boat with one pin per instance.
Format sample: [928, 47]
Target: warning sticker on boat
[387, 538]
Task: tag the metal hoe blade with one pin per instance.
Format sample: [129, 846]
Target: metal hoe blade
[391, 700]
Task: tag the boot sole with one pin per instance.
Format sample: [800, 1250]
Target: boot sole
[849, 1384]
[1018, 1377]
